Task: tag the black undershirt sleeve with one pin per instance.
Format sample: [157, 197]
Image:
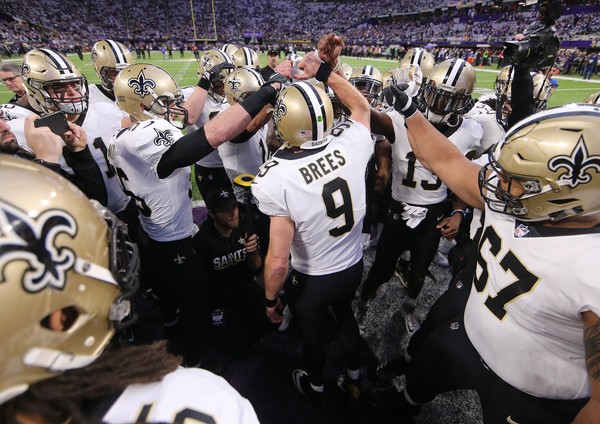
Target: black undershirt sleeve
[88, 176]
[186, 151]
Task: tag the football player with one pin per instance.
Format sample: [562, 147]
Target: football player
[214, 67]
[593, 98]
[418, 57]
[54, 84]
[69, 273]
[152, 160]
[320, 167]
[369, 81]
[527, 345]
[245, 57]
[108, 58]
[418, 214]
[247, 152]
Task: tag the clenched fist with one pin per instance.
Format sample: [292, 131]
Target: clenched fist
[330, 47]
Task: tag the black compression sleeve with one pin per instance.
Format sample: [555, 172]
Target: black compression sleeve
[186, 151]
[255, 103]
[243, 137]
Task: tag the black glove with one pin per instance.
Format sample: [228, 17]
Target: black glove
[277, 77]
[396, 97]
[214, 74]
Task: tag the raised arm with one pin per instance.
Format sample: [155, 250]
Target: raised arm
[433, 148]
[321, 67]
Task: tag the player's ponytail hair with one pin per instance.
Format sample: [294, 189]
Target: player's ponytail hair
[68, 397]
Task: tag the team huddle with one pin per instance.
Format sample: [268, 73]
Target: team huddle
[301, 164]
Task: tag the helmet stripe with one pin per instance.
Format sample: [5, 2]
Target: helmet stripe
[417, 57]
[454, 71]
[258, 77]
[247, 56]
[315, 107]
[117, 51]
[368, 70]
[59, 62]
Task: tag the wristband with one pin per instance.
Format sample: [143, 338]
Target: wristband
[409, 110]
[323, 72]
[460, 211]
[204, 84]
[270, 303]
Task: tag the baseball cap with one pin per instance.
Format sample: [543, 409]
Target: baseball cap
[220, 199]
[272, 53]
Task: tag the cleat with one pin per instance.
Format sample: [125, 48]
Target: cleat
[410, 321]
[350, 387]
[287, 317]
[302, 384]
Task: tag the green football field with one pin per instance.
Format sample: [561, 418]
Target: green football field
[571, 89]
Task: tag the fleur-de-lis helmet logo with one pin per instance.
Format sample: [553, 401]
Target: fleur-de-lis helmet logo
[234, 84]
[578, 165]
[206, 63]
[33, 241]
[280, 110]
[141, 85]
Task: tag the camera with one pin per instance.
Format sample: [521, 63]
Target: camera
[540, 45]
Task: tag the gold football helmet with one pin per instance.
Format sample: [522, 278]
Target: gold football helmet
[593, 98]
[555, 156]
[229, 48]
[241, 83]
[147, 91]
[418, 57]
[49, 77]
[209, 60]
[339, 114]
[503, 87]
[503, 83]
[303, 116]
[108, 58]
[245, 57]
[345, 70]
[367, 80]
[389, 77]
[447, 90]
[67, 273]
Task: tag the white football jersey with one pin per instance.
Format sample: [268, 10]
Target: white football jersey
[165, 204]
[211, 107]
[102, 120]
[185, 395]
[12, 111]
[323, 192]
[492, 131]
[524, 312]
[411, 181]
[244, 158]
